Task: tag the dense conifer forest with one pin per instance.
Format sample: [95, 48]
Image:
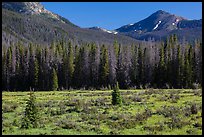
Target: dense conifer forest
[64, 65]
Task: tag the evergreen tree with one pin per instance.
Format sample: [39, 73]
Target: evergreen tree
[116, 97]
[94, 60]
[54, 84]
[70, 65]
[31, 116]
[36, 74]
[90, 66]
[179, 72]
[104, 67]
[134, 69]
[187, 71]
[161, 67]
[140, 67]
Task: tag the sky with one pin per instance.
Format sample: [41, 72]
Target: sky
[112, 15]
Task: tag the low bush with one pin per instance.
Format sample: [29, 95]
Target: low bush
[194, 109]
[66, 124]
[197, 125]
[137, 99]
[197, 92]
[168, 111]
[195, 86]
[154, 128]
[9, 107]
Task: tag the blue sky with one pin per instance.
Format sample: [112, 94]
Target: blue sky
[112, 15]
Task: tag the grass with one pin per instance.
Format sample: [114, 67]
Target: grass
[144, 112]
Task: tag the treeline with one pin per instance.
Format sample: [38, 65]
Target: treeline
[62, 65]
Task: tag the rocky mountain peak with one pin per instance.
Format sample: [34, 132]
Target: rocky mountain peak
[29, 8]
[24, 7]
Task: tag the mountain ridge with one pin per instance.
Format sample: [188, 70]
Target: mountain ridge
[160, 23]
[31, 22]
[42, 28]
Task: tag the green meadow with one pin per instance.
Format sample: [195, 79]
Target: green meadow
[84, 112]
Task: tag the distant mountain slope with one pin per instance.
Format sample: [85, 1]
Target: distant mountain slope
[161, 24]
[31, 22]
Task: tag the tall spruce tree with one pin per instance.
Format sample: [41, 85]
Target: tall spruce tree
[104, 67]
[54, 84]
[70, 64]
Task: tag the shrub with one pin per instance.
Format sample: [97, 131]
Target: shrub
[197, 92]
[140, 117]
[175, 122]
[150, 91]
[7, 108]
[191, 131]
[62, 107]
[197, 125]
[186, 111]
[127, 123]
[157, 127]
[163, 98]
[148, 112]
[174, 97]
[100, 101]
[114, 132]
[168, 111]
[194, 109]
[66, 124]
[15, 122]
[114, 117]
[137, 99]
[195, 86]
[10, 107]
[78, 106]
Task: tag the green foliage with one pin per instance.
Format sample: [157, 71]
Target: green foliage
[54, 80]
[104, 66]
[116, 97]
[91, 66]
[91, 112]
[31, 116]
[36, 74]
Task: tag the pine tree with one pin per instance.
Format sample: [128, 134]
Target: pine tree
[187, 71]
[70, 66]
[94, 59]
[134, 69]
[140, 67]
[79, 71]
[54, 84]
[104, 67]
[8, 68]
[31, 114]
[116, 97]
[36, 74]
[162, 67]
[179, 69]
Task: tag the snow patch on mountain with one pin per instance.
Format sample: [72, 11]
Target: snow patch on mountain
[109, 31]
[157, 25]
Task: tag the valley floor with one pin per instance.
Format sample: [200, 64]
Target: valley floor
[144, 112]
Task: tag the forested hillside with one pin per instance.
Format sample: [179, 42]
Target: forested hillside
[43, 29]
[63, 65]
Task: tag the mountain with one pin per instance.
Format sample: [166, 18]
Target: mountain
[103, 30]
[31, 22]
[161, 24]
